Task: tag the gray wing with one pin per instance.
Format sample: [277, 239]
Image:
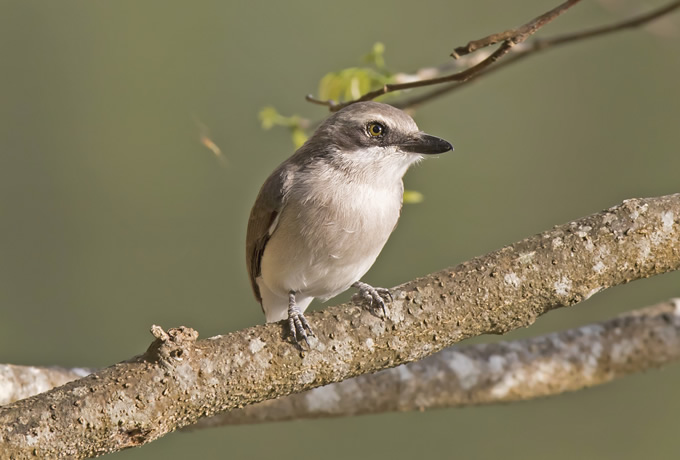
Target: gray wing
[262, 219]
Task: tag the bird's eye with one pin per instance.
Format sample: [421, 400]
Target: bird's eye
[375, 129]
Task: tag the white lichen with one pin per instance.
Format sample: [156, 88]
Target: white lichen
[81, 371]
[543, 371]
[323, 399]
[667, 219]
[6, 389]
[590, 360]
[185, 376]
[645, 249]
[509, 381]
[636, 212]
[255, 345]
[526, 258]
[563, 286]
[465, 369]
[306, 377]
[661, 235]
[512, 279]
[496, 364]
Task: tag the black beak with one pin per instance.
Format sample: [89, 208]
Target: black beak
[426, 144]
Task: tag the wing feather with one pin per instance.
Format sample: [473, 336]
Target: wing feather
[261, 224]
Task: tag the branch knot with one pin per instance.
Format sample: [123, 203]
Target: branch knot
[171, 346]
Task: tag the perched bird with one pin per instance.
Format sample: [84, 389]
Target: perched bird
[323, 216]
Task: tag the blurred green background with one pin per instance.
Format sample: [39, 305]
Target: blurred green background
[114, 217]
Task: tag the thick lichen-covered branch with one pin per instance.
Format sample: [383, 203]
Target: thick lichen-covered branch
[19, 382]
[454, 377]
[490, 373]
[179, 379]
[459, 376]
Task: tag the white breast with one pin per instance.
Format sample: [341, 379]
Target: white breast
[324, 243]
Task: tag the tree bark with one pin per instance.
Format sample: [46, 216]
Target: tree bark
[179, 379]
[489, 373]
[454, 377]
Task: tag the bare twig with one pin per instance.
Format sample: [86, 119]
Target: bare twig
[538, 45]
[179, 379]
[509, 38]
[457, 77]
[314, 100]
[514, 37]
[517, 35]
[631, 23]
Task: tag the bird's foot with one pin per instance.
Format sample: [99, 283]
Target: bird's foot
[297, 322]
[373, 295]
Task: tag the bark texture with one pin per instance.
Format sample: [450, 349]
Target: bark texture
[179, 379]
[19, 382]
[489, 373]
[454, 377]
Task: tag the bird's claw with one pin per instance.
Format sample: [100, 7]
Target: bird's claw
[373, 295]
[299, 327]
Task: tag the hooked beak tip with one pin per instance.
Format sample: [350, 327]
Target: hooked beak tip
[426, 144]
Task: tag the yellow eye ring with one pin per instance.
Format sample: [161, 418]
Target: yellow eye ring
[375, 129]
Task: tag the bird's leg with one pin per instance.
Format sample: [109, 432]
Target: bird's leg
[297, 321]
[373, 295]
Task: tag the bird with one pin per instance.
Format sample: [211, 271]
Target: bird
[322, 217]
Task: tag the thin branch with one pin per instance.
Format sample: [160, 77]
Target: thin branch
[19, 382]
[538, 45]
[314, 100]
[631, 23]
[179, 379]
[517, 35]
[457, 77]
[509, 38]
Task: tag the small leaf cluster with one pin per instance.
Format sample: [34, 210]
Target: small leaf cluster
[351, 83]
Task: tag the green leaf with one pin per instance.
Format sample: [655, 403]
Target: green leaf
[268, 117]
[377, 56]
[299, 137]
[351, 83]
[413, 197]
[331, 86]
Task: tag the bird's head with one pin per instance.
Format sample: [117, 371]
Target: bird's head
[374, 138]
